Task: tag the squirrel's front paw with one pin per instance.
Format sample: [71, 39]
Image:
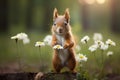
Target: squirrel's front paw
[66, 46]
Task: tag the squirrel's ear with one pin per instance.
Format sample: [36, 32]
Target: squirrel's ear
[55, 14]
[67, 15]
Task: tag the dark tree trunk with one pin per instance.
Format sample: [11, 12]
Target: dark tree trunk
[47, 16]
[115, 15]
[46, 20]
[14, 12]
[29, 14]
[3, 15]
[85, 20]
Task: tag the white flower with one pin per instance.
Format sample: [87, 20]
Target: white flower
[85, 39]
[57, 47]
[99, 42]
[21, 36]
[110, 42]
[93, 47]
[81, 58]
[78, 48]
[104, 47]
[48, 39]
[26, 40]
[101, 45]
[109, 53]
[39, 44]
[97, 36]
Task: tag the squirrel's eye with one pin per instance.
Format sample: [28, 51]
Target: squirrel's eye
[54, 24]
[65, 23]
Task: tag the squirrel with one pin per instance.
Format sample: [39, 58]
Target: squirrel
[62, 35]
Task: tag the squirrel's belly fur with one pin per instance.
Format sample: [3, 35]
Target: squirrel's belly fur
[63, 55]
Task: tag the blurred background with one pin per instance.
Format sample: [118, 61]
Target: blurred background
[35, 18]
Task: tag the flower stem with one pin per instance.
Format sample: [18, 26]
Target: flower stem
[40, 52]
[96, 58]
[18, 57]
[102, 64]
[40, 56]
[80, 67]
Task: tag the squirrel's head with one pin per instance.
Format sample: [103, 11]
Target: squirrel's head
[61, 22]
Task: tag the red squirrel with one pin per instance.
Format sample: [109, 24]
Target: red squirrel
[62, 35]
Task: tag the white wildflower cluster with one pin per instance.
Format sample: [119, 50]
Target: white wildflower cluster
[21, 36]
[39, 44]
[81, 58]
[98, 43]
[57, 47]
[101, 45]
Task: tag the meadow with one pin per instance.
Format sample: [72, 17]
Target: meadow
[34, 60]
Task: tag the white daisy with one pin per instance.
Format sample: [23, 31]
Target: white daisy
[110, 42]
[48, 39]
[81, 58]
[85, 39]
[99, 42]
[21, 36]
[104, 47]
[39, 44]
[57, 47]
[97, 36]
[109, 53]
[93, 47]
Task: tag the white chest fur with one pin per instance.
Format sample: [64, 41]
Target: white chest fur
[60, 40]
[63, 54]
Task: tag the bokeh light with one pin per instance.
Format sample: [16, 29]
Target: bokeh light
[100, 1]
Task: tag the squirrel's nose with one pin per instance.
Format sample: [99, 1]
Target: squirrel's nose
[60, 30]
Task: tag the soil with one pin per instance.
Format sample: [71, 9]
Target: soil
[56, 76]
[11, 73]
[37, 76]
[47, 76]
[17, 76]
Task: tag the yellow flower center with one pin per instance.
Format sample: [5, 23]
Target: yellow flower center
[40, 42]
[58, 46]
[81, 56]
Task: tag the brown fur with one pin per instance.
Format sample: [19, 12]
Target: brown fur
[62, 29]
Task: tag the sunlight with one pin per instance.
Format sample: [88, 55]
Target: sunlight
[100, 1]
